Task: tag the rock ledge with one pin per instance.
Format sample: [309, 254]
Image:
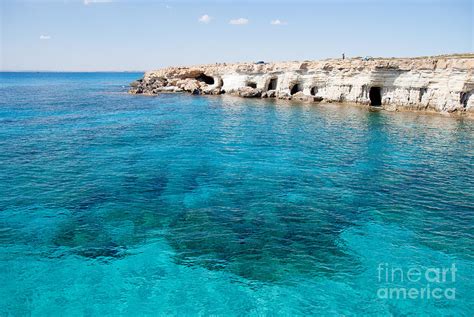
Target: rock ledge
[443, 83]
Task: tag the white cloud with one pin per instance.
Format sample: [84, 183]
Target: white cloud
[45, 37]
[86, 2]
[278, 22]
[239, 21]
[205, 19]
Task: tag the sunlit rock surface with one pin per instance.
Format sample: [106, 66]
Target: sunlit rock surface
[444, 83]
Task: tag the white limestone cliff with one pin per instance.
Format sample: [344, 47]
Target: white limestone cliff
[444, 84]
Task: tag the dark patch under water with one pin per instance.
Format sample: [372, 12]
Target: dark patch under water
[275, 206]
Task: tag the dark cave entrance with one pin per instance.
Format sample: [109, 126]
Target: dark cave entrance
[422, 93]
[272, 85]
[465, 96]
[296, 88]
[207, 79]
[252, 85]
[375, 96]
[314, 91]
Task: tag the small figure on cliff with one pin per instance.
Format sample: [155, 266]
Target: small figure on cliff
[343, 56]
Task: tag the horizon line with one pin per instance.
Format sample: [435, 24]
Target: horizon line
[446, 55]
[72, 71]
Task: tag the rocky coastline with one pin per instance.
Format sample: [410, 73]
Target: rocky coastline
[441, 84]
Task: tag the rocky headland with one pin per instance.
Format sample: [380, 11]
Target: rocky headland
[441, 83]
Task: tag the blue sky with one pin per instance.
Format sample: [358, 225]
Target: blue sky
[87, 35]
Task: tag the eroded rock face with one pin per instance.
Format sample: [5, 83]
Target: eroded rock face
[433, 83]
[249, 92]
[191, 85]
[301, 96]
[271, 93]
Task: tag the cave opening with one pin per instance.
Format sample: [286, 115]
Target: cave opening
[272, 84]
[296, 88]
[422, 92]
[375, 96]
[252, 85]
[465, 96]
[314, 91]
[206, 79]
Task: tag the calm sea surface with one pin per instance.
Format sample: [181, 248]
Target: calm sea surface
[112, 204]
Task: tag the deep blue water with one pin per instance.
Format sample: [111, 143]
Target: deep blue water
[112, 204]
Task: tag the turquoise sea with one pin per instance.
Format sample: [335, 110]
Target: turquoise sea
[113, 204]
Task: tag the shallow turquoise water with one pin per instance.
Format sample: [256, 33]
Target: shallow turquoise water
[112, 204]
